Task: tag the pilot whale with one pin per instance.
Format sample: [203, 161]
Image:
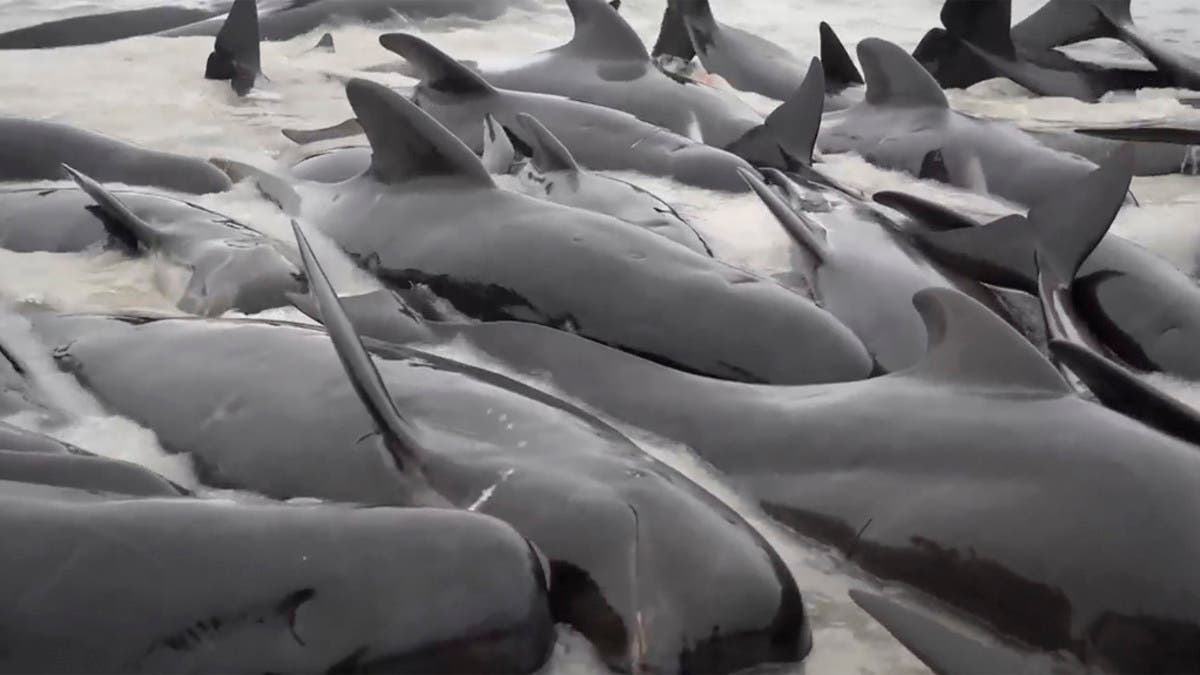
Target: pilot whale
[32, 150]
[905, 117]
[533, 261]
[410, 425]
[150, 585]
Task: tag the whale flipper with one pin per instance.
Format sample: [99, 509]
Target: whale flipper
[235, 55]
[274, 188]
[944, 649]
[406, 143]
[400, 438]
[969, 344]
[806, 234]
[1120, 390]
[789, 134]
[349, 127]
[381, 314]
[896, 79]
[601, 33]
[119, 217]
[931, 215]
[840, 71]
[549, 154]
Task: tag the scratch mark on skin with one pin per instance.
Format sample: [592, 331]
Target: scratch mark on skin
[487, 494]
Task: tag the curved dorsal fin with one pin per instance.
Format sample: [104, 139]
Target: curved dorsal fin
[1120, 390]
[549, 154]
[807, 235]
[969, 344]
[840, 71]
[235, 55]
[797, 121]
[895, 78]
[437, 70]
[119, 215]
[406, 143]
[602, 33]
[400, 438]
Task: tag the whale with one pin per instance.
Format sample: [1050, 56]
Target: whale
[1133, 304]
[551, 173]
[233, 266]
[34, 150]
[230, 266]
[983, 497]
[458, 436]
[422, 175]
[905, 117]
[108, 584]
[236, 56]
[1060, 22]
[977, 45]
[606, 64]
[862, 267]
[281, 20]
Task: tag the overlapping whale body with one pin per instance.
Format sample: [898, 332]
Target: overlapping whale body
[448, 471]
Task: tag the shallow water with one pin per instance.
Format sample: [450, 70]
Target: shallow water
[150, 90]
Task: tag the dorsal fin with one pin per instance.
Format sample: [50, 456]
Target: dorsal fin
[895, 78]
[969, 344]
[933, 167]
[406, 143]
[701, 26]
[999, 253]
[400, 438]
[839, 68]
[119, 215]
[602, 33]
[983, 23]
[235, 55]
[1070, 225]
[787, 137]
[673, 39]
[325, 44]
[946, 650]
[806, 234]
[499, 155]
[437, 70]
[933, 216]
[549, 154]
[1120, 390]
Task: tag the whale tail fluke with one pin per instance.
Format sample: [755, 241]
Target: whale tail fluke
[235, 55]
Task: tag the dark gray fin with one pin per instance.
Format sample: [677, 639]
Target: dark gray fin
[698, 19]
[381, 314]
[946, 650]
[971, 345]
[1176, 135]
[235, 55]
[673, 39]
[615, 4]
[933, 167]
[932, 216]
[950, 61]
[437, 70]
[896, 79]
[350, 127]
[807, 235]
[499, 155]
[602, 33]
[401, 439]
[274, 188]
[548, 153]
[406, 143]
[131, 227]
[1064, 22]
[786, 139]
[840, 71]
[325, 44]
[983, 23]
[1121, 390]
